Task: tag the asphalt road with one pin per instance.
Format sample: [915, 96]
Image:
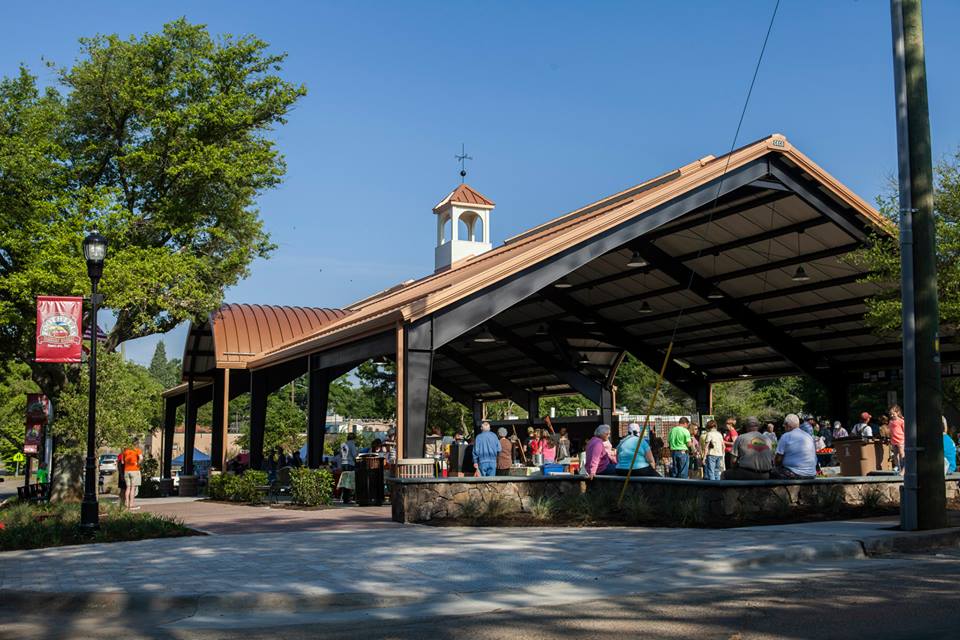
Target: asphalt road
[896, 597]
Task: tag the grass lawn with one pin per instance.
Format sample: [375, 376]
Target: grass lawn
[34, 526]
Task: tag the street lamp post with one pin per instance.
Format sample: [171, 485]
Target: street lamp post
[94, 250]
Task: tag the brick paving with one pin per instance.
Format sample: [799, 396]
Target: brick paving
[227, 518]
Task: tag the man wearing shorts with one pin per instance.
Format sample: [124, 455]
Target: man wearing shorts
[131, 457]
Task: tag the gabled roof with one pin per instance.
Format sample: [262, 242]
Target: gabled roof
[417, 299]
[465, 194]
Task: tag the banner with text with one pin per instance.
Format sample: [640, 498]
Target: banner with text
[58, 328]
[38, 415]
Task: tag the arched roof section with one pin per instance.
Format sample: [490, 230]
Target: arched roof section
[235, 334]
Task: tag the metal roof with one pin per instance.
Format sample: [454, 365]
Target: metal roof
[235, 334]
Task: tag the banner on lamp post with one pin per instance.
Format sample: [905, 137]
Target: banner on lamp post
[58, 328]
[38, 416]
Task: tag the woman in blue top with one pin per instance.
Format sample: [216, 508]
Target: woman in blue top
[949, 450]
[644, 465]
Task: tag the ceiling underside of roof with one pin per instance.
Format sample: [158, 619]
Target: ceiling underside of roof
[749, 248]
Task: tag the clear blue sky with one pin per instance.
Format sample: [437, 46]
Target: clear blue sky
[560, 103]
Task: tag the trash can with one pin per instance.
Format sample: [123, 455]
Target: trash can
[859, 457]
[188, 486]
[369, 477]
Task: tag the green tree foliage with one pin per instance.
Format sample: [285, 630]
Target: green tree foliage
[166, 372]
[286, 425]
[883, 255]
[127, 405]
[15, 383]
[444, 412]
[162, 143]
[636, 383]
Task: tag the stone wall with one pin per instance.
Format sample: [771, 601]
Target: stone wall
[701, 502]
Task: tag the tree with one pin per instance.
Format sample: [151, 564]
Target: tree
[160, 142]
[166, 372]
[636, 383]
[285, 427]
[127, 408]
[882, 256]
[15, 383]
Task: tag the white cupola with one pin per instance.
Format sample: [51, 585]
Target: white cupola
[463, 226]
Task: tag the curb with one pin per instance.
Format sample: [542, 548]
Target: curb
[912, 541]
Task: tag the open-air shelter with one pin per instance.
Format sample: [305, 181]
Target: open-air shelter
[742, 262]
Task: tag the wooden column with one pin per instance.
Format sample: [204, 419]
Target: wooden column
[317, 400]
[169, 426]
[258, 417]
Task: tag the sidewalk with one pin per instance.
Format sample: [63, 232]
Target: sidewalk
[392, 571]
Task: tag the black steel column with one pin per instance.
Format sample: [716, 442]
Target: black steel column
[189, 429]
[258, 417]
[838, 401]
[169, 427]
[317, 401]
[703, 397]
[217, 434]
[477, 415]
[606, 405]
[533, 408]
[416, 392]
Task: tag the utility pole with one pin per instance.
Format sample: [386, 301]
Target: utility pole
[923, 503]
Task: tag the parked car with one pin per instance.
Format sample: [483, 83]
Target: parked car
[108, 463]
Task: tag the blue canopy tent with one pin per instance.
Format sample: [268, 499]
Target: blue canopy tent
[199, 457]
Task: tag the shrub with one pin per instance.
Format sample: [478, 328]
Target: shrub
[246, 487]
[496, 509]
[685, 512]
[543, 508]
[33, 526]
[471, 510]
[150, 467]
[873, 498]
[636, 510]
[586, 507]
[311, 487]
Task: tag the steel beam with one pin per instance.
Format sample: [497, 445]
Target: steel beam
[258, 417]
[493, 379]
[794, 352]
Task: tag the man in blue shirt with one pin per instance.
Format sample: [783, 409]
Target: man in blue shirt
[485, 450]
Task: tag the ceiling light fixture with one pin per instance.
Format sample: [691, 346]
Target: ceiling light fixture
[744, 373]
[715, 294]
[800, 275]
[583, 359]
[562, 283]
[380, 360]
[637, 260]
[646, 308]
[484, 337]
[543, 330]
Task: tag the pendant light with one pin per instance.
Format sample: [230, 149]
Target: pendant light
[744, 373]
[645, 307]
[637, 261]
[562, 283]
[543, 330]
[800, 275]
[380, 361]
[484, 337]
[582, 359]
[715, 293]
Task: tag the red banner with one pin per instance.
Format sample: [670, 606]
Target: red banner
[38, 414]
[58, 328]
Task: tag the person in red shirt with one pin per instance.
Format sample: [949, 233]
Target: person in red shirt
[131, 457]
[729, 437]
[897, 437]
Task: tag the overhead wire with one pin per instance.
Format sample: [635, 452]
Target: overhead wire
[716, 199]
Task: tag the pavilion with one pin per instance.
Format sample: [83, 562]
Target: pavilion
[741, 261]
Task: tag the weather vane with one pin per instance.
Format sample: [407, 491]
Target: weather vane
[463, 157]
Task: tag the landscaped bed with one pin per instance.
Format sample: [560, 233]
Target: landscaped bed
[35, 526]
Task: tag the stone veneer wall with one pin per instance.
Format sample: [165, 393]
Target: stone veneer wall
[716, 502]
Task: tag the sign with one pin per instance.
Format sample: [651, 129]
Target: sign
[19, 457]
[38, 415]
[58, 328]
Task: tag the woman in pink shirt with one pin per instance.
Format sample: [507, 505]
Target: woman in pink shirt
[897, 439]
[548, 447]
[601, 456]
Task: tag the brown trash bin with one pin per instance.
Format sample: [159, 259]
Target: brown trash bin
[859, 457]
[188, 486]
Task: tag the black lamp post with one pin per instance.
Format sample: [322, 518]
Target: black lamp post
[94, 250]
